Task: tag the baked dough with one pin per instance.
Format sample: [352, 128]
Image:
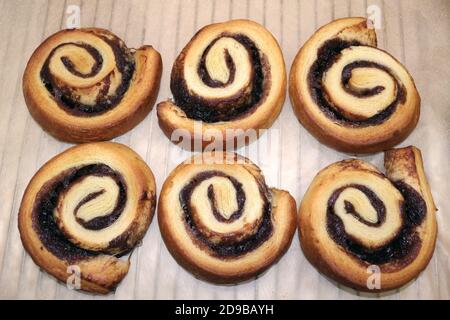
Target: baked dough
[355, 221]
[230, 76]
[84, 208]
[85, 85]
[220, 221]
[349, 94]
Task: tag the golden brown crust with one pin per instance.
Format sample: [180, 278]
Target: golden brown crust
[403, 220]
[93, 251]
[199, 259]
[135, 104]
[260, 116]
[374, 135]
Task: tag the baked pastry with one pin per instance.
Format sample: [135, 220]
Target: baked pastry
[220, 221]
[350, 95]
[86, 207]
[229, 79]
[85, 85]
[354, 221]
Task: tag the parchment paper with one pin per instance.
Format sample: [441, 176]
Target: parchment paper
[416, 32]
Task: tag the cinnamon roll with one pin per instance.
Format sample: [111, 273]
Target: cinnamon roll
[229, 79]
[86, 207]
[349, 94]
[355, 222]
[220, 221]
[85, 85]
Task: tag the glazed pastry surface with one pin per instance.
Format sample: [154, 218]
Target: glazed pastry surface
[349, 94]
[220, 221]
[230, 76]
[86, 207]
[85, 85]
[354, 220]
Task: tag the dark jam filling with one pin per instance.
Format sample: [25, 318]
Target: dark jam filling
[347, 74]
[402, 249]
[105, 221]
[70, 66]
[327, 55]
[203, 72]
[199, 108]
[240, 199]
[376, 203]
[47, 200]
[69, 101]
[228, 248]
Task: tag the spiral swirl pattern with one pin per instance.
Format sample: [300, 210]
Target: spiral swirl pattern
[353, 216]
[85, 207]
[230, 75]
[80, 82]
[351, 95]
[220, 220]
